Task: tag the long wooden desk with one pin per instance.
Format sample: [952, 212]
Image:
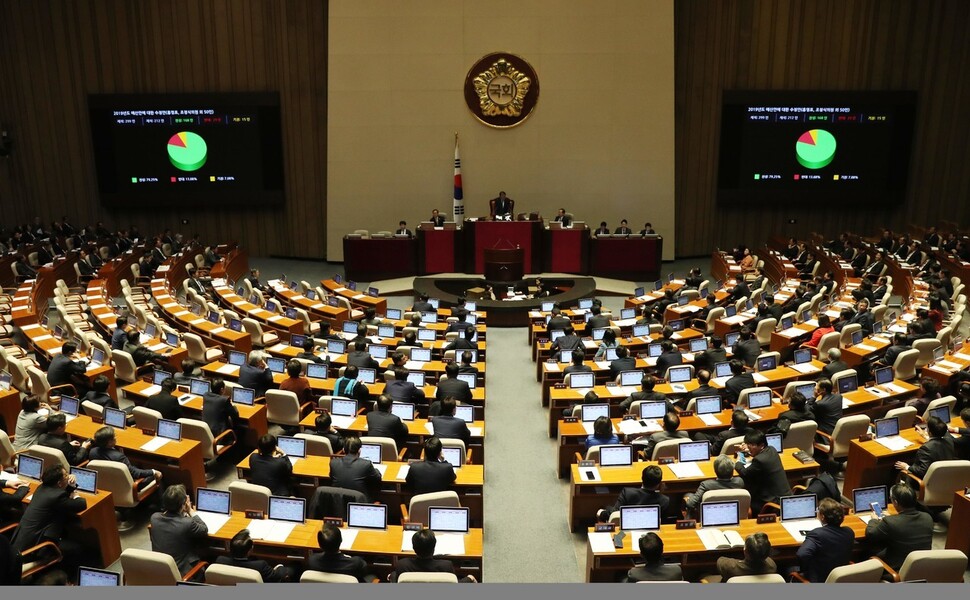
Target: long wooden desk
[279, 323]
[958, 534]
[357, 298]
[334, 315]
[185, 320]
[870, 463]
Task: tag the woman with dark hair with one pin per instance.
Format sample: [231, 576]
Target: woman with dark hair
[602, 433]
[609, 341]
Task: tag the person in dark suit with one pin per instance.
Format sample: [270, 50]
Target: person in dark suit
[797, 412]
[875, 268]
[578, 360]
[323, 426]
[647, 494]
[402, 229]
[739, 381]
[899, 534]
[431, 474]
[447, 425]
[52, 505]
[240, 548]
[255, 374]
[557, 320]
[104, 447]
[747, 349]
[669, 357]
[836, 364]
[623, 229]
[402, 390]
[740, 290]
[739, 427]
[726, 480]
[826, 406]
[646, 394]
[756, 561]
[56, 437]
[465, 341]
[706, 359]
[165, 401]
[562, 217]
[863, 316]
[178, 531]
[436, 219]
[217, 411]
[764, 477]
[704, 387]
[503, 206]
[602, 229]
[452, 387]
[961, 445]
[826, 547]
[120, 334]
[938, 447]
[269, 466]
[331, 560]
[140, 352]
[382, 423]
[598, 319]
[466, 365]
[670, 431]
[307, 352]
[423, 543]
[623, 362]
[64, 370]
[654, 569]
[422, 304]
[353, 472]
[568, 341]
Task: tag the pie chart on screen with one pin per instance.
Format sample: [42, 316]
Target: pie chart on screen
[815, 148]
[187, 151]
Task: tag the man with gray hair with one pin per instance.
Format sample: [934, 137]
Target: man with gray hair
[255, 374]
[177, 530]
[835, 364]
[726, 480]
[756, 561]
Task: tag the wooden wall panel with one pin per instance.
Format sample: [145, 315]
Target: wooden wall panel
[820, 44]
[53, 53]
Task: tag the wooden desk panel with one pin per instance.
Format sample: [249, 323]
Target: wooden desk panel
[870, 463]
[958, 534]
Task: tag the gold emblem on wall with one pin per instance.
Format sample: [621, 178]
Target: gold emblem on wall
[501, 90]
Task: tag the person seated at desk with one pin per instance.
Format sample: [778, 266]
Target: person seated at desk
[704, 388]
[46, 517]
[747, 261]
[648, 230]
[270, 467]
[654, 568]
[670, 356]
[462, 342]
[502, 207]
[563, 218]
[623, 229]
[210, 256]
[99, 393]
[423, 543]
[623, 362]
[323, 426]
[56, 437]
[452, 387]
[739, 427]
[609, 341]
[331, 560]
[863, 317]
[190, 369]
[422, 304]
[431, 474]
[602, 433]
[466, 365]
[253, 279]
[899, 534]
[747, 348]
[961, 445]
[938, 447]
[402, 390]
[240, 549]
[447, 425]
[24, 269]
[120, 334]
[740, 290]
[577, 366]
[324, 333]
[353, 472]
[602, 229]
[255, 374]
[739, 381]
[764, 476]
[646, 394]
[568, 341]
[826, 406]
[31, 423]
[140, 353]
[402, 229]
[661, 305]
[824, 327]
[706, 359]
[165, 401]
[671, 424]
[410, 340]
[104, 447]
[65, 370]
[348, 386]
[726, 480]
[383, 423]
[217, 411]
[797, 412]
[557, 320]
[360, 357]
[296, 383]
[835, 363]
[437, 219]
[647, 494]
[756, 561]
[828, 546]
[178, 530]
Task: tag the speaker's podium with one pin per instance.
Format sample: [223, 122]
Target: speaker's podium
[438, 248]
[504, 264]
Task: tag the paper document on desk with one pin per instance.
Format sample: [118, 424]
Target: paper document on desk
[275, 318]
[588, 426]
[278, 347]
[846, 403]
[157, 347]
[581, 392]
[711, 420]
[381, 468]
[217, 330]
[865, 348]
[41, 338]
[632, 427]
[949, 366]
[339, 289]
[962, 356]
[272, 531]
[720, 381]
[151, 390]
[450, 543]
[877, 391]
[406, 545]
[475, 431]
[214, 521]
[865, 518]
[794, 527]
[677, 336]
[792, 332]
[686, 470]
[812, 322]
[625, 389]
[752, 415]
[552, 367]
[892, 387]
[318, 306]
[402, 473]
[154, 444]
[347, 537]
[4, 476]
[227, 369]
[805, 368]
[413, 365]
[602, 364]
[342, 422]
[894, 443]
[759, 378]
[625, 322]
[601, 543]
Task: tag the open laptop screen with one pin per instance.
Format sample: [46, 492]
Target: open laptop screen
[450, 519]
[862, 498]
[616, 455]
[241, 395]
[719, 514]
[214, 501]
[759, 399]
[694, 452]
[707, 405]
[87, 480]
[794, 508]
[633, 518]
[89, 577]
[285, 508]
[367, 516]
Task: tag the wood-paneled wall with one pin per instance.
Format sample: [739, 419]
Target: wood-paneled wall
[53, 53]
[917, 45]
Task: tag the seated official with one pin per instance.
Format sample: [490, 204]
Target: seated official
[383, 423]
[726, 480]
[423, 543]
[296, 383]
[938, 447]
[437, 219]
[360, 357]
[670, 426]
[120, 334]
[706, 359]
[670, 356]
[756, 561]
[402, 390]
[56, 437]
[899, 534]
[255, 374]
[348, 386]
[165, 401]
[826, 407]
[104, 447]
[462, 342]
[747, 349]
[835, 364]
[323, 426]
[178, 530]
[646, 394]
[739, 381]
[240, 549]
[608, 341]
[623, 362]
[447, 425]
[99, 393]
[53, 504]
[190, 370]
[828, 546]
[331, 560]
[431, 474]
[140, 353]
[602, 433]
[577, 366]
[452, 386]
[353, 472]
[764, 476]
[270, 467]
[31, 423]
[218, 412]
[961, 445]
[739, 427]
[797, 413]
[410, 340]
[64, 369]
[307, 352]
[623, 229]
[654, 569]
[647, 494]
[466, 365]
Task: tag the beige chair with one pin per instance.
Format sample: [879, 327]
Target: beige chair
[92, 410]
[389, 451]
[39, 385]
[905, 366]
[245, 496]
[115, 478]
[466, 455]
[827, 342]
[949, 402]
[944, 336]
[7, 452]
[417, 509]
[708, 324]
[37, 558]
[905, 414]
[926, 348]
[846, 430]
[764, 329]
[125, 368]
[867, 571]
[51, 456]
[742, 496]
[217, 574]
[732, 445]
[212, 446]
[283, 408]
[197, 350]
[18, 375]
[144, 567]
[321, 577]
[146, 418]
[801, 436]
[743, 396]
[427, 578]
[790, 388]
[940, 481]
[316, 445]
[845, 340]
[667, 449]
[768, 578]
[308, 325]
[256, 334]
[933, 566]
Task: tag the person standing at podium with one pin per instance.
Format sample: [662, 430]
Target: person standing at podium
[503, 207]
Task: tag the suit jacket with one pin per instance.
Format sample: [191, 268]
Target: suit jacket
[559, 322]
[961, 445]
[75, 455]
[385, 424]
[566, 342]
[354, 473]
[448, 426]
[701, 391]
[747, 351]
[118, 339]
[764, 478]
[116, 455]
[619, 365]
[438, 221]
[460, 344]
[740, 290]
[167, 404]
[667, 360]
[662, 436]
[735, 385]
[735, 567]
[178, 536]
[827, 411]
[597, 321]
[404, 391]
[657, 572]
[708, 358]
[694, 500]
[865, 319]
[45, 516]
[824, 549]
[429, 476]
[62, 369]
[268, 573]
[577, 369]
[900, 534]
[832, 368]
[893, 352]
[217, 411]
[932, 450]
[274, 472]
[631, 496]
[338, 563]
[453, 388]
[414, 564]
[255, 378]
[420, 306]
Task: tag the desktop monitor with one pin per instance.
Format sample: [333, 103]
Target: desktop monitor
[863, 498]
[336, 347]
[311, 294]
[591, 412]
[297, 339]
[115, 418]
[759, 399]
[237, 358]
[90, 577]
[286, 508]
[403, 410]
[87, 480]
[421, 354]
[653, 410]
[171, 430]
[214, 501]
[639, 518]
[698, 345]
[802, 356]
[581, 380]
[417, 378]
[848, 383]
[377, 351]
[30, 466]
[276, 365]
[776, 441]
[199, 387]
[352, 285]
[654, 350]
[707, 405]
[883, 375]
[722, 369]
[887, 427]
[343, 408]
[366, 516]
[767, 363]
[720, 514]
[316, 371]
[468, 378]
[245, 396]
[796, 508]
[292, 446]
[679, 374]
[235, 325]
[465, 412]
[291, 313]
[371, 452]
[631, 378]
[449, 519]
[694, 452]
[373, 292]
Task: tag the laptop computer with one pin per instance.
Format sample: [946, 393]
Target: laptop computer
[386, 331]
[97, 358]
[941, 412]
[316, 371]
[377, 351]
[343, 412]
[349, 327]
[450, 519]
[631, 378]
[115, 418]
[767, 363]
[591, 412]
[555, 334]
[421, 354]
[886, 427]
[87, 480]
[366, 375]
[297, 339]
[336, 347]
[776, 441]
[171, 430]
[366, 516]
[598, 333]
[394, 314]
[244, 396]
[5, 380]
[848, 384]
[468, 378]
[235, 325]
[451, 455]
[212, 501]
[731, 338]
[70, 405]
[276, 365]
[864, 498]
[722, 369]
[679, 374]
[654, 350]
[694, 452]
[90, 577]
[787, 323]
[759, 399]
[286, 508]
[676, 324]
[698, 345]
[639, 518]
[581, 380]
[293, 447]
[426, 335]
[403, 410]
[237, 358]
[616, 455]
[371, 452]
[883, 375]
[585, 303]
[720, 514]
[628, 313]
[199, 387]
[611, 354]
[653, 410]
[707, 405]
[30, 466]
[802, 356]
[429, 317]
[642, 330]
[465, 412]
[798, 508]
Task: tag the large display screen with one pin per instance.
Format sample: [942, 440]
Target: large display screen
[809, 145]
[188, 149]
